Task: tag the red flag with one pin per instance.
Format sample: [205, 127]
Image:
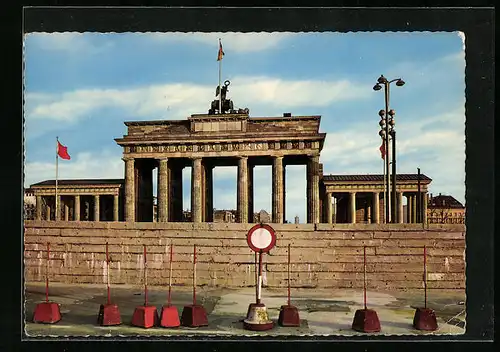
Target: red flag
[221, 52]
[382, 150]
[62, 151]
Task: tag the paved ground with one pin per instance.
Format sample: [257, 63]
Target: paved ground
[322, 312]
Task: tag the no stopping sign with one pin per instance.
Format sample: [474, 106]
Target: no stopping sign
[261, 238]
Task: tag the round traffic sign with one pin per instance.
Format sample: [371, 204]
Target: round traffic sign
[261, 238]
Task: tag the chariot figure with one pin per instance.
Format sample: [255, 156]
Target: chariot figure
[227, 104]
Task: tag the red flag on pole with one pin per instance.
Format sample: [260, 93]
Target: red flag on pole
[62, 151]
[382, 150]
[221, 52]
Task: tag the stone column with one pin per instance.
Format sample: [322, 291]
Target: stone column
[57, 208]
[277, 190]
[424, 206]
[251, 168]
[352, 207]
[400, 207]
[76, 211]
[329, 217]
[375, 208]
[196, 207]
[242, 189]
[96, 208]
[413, 208]
[66, 212]
[38, 215]
[47, 215]
[115, 207]
[313, 186]
[162, 201]
[129, 189]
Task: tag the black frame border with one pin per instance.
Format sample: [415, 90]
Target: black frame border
[476, 23]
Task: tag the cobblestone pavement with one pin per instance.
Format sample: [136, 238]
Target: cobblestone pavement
[322, 312]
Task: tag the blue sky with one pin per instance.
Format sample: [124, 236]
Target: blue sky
[82, 87]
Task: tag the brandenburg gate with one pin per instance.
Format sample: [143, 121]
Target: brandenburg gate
[227, 138]
[205, 141]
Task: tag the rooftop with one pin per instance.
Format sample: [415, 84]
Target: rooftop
[81, 182]
[444, 201]
[375, 178]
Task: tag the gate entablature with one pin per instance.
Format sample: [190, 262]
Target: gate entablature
[223, 135]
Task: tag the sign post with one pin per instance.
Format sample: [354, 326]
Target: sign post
[194, 315]
[425, 318]
[365, 320]
[169, 314]
[145, 316]
[47, 312]
[109, 314]
[289, 315]
[261, 238]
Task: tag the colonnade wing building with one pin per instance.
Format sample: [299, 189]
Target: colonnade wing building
[205, 141]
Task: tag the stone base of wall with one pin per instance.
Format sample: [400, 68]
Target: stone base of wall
[322, 255]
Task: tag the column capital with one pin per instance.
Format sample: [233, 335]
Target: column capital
[164, 158]
[243, 157]
[128, 158]
[279, 157]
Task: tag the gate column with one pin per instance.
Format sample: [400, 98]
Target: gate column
[277, 190]
[313, 189]
[242, 189]
[129, 189]
[196, 207]
[162, 190]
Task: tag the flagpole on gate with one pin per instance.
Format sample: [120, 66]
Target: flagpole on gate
[220, 78]
[56, 210]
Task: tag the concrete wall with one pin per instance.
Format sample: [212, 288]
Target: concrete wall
[330, 256]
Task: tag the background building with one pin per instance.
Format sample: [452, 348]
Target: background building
[444, 209]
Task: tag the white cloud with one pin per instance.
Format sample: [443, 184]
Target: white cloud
[176, 101]
[231, 41]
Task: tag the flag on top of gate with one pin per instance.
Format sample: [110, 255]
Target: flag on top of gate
[382, 150]
[221, 52]
[62, 151]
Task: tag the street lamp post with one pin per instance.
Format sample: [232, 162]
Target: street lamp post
[389, 132]
[384, 136]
